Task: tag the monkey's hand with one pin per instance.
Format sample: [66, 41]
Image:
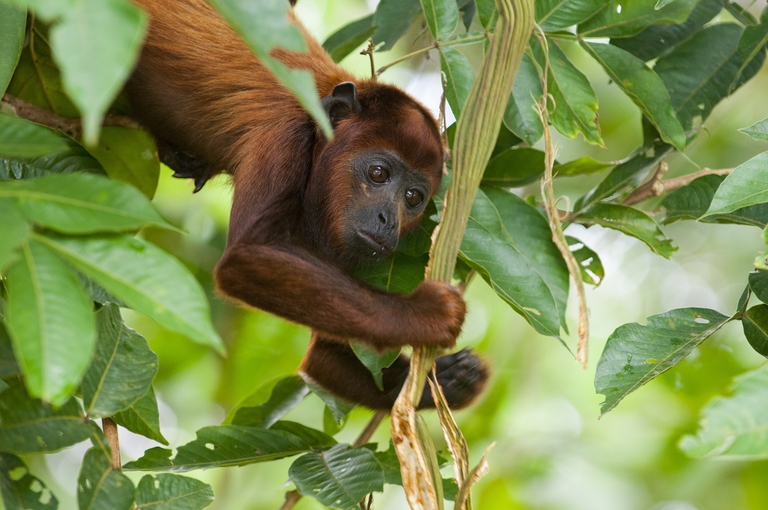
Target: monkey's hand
[441, 310]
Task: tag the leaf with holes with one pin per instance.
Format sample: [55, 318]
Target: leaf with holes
[99, 487]
[233, 445]
[338, 478]
[635, 354]
[172, 492]
[19, 489]
[623, 19]
[592, 271]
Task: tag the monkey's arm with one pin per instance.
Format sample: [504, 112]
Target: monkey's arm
[293, 283]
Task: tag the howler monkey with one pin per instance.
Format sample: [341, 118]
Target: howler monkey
[306, 211]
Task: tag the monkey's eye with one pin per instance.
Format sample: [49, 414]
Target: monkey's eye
[378, 174]
[414, 197]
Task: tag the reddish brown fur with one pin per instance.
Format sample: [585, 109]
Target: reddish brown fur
[201, 90]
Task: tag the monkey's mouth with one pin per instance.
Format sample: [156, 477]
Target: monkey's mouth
[373, 245]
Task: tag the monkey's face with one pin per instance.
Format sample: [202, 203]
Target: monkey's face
[386, 200]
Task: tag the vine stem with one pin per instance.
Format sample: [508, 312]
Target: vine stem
[476, 133]
[555, 225]
[109, 427]
[293, 497]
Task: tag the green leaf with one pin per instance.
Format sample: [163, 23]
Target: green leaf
[172, 492]
[82, 204]
[96, 44]
[146, 278]
[349, 37]
[286, 394]
[585, 165]
[592, 271]
[143, 418]
[704, 70]
[559, 14]
[625, 177]
[758, 131]
[13, 22]
[122, 368]
[487, 13]
[508, 242]
[74, 159]
[692, 201]
[657, 39]
[19, 489]
[643, 86]
[442, 17]
[99, 487]
[459, 75]
[735, 427]
[29, 425]
[632, 222]
[755, 324]
[8, 365]
[374, 360]
[128, 155]
[573, 102]
[21, 138]
[338, 478]
[50, 320]
[37, 79]
[758, 282]
[513, 168]
[264, 27]
[338, 406]
[747, 185]
[521, 115]
[232, 445]
[13, 231]
[623, 19]
[393, 19]
[399, 273]
[635, 354]
[754, 39]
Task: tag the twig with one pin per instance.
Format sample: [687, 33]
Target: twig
[656, 187]
[555, 225]
[110, 432]
[70, 126]
[293, 497]
[435, 45]
[369, 51]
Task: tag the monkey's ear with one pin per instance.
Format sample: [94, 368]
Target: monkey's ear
[342, 102]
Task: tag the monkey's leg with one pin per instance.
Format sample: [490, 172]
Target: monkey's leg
[184, 165]
[334, 366]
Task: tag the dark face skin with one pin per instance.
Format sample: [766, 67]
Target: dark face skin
[389, 199]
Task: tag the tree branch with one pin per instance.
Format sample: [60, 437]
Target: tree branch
[70, 126]
[110, 432]
[656, 187]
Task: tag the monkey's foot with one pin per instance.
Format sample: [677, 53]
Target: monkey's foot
[462, 376]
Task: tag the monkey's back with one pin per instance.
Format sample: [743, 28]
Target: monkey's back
[200, 88]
